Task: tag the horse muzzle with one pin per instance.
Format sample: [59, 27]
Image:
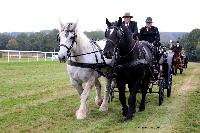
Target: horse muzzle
[62, 58]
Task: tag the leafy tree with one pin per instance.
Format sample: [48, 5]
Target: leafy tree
[95, 35]
[4, 38]
[191, 43]
[12, 44]
[23, 41]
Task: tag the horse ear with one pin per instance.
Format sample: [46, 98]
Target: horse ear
[61, 24]
[119, 23]
[108, 23]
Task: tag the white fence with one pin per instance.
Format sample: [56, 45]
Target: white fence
[27, 56]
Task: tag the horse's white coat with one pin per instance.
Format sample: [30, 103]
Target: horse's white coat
[80, 75]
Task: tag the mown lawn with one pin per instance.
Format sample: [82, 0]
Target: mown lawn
[38, 97]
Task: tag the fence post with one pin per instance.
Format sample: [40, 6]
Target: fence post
[19, 56]
[8, 56]
[37, 56]
[45, 56]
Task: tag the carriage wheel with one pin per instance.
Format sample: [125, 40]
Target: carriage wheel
[161, 91]
[181, 70]
[169, 88]
[112, 94]
[175, 70]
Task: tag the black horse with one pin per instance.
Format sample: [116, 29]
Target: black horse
[133, 61]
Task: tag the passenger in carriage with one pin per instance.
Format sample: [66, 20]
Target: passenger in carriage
[151, 34]
[131, 25]
[177, 48]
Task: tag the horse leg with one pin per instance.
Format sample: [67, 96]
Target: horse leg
[78, 86]
[132, 100]
[122, 97]
[104, 105]
[83, 110]
[98, 99]
[175, 70]
[144, 88]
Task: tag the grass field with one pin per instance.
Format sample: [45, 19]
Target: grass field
[38, 97]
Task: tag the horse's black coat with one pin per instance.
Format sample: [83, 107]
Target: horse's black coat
[133, 65]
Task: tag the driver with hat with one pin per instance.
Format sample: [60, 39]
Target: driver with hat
[131, 25]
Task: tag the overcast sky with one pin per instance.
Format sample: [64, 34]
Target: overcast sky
[36, 15]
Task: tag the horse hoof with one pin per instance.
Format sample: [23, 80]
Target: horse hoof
[141, 109]
[98, 101]
[124, 111]
[128, 118]
[103, 108]
[82, 114]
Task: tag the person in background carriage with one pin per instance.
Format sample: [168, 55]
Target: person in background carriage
[131, 25]
[151, 34]
[177, 48]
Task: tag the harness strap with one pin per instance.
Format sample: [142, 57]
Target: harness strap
[123, 56]
[100, 51]
[95, 66]
[93, 47]
[87, 65]
[86, 53]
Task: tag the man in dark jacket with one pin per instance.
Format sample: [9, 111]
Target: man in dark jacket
[150, 33]
[177, 48]
[131, 25]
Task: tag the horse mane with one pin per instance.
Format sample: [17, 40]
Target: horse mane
[82, 39]
[127, 34]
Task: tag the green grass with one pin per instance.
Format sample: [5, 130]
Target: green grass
[38, 97]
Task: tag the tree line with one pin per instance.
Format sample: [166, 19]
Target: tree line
[47, 42]
[191, 44]
[38, 41]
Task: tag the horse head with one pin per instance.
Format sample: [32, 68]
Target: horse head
[66, 38]
[114, 36]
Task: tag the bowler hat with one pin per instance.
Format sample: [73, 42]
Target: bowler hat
[149, 20]
[127, 14]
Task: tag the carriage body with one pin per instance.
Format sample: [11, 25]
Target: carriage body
[164, 76]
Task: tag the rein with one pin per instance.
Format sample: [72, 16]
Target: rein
[123, 56]
[86, 53]
[112, 42]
